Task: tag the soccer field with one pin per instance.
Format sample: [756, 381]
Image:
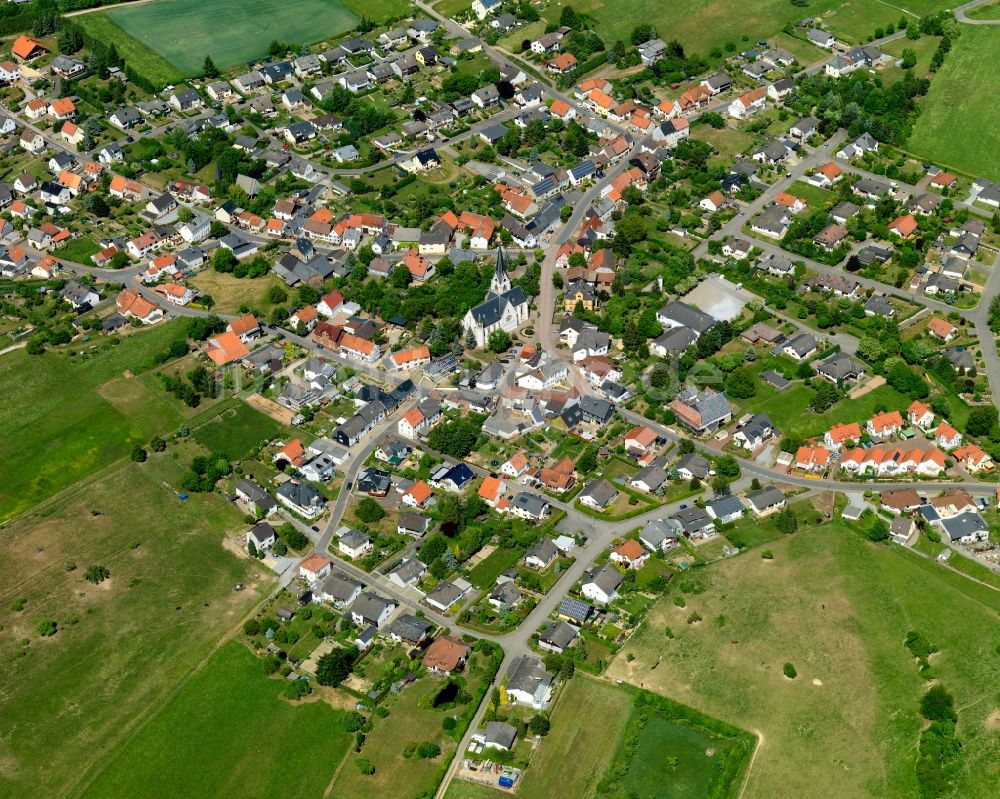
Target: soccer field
[185, 31]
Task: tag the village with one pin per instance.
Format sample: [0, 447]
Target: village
[522, 351]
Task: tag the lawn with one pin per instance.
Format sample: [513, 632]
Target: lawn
[79, 250]
[990, 11]
[140, 57]
[122, 647]
[838, 607]
[791, 415]
[232, 293]
[584, 706]
[228, 733]
[814, 196]
[185, 31]
[949, 129]
[730, 142]
[484, 574]
[236, 430]
[57, 425]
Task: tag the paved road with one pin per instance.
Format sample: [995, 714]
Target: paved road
[961, 16]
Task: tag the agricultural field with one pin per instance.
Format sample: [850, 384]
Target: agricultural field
[124, 645]
[838, 608]
[183, 32]
[949, 129]
[227, 732]
[139, 56]
[235, 430]
[57, 437]
[584, 706]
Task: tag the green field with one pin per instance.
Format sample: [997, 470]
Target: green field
[63, 419]
[584, 706]
[990, 11]
[950, 128]
[185, 31]
[791, 415]
[228, 733]
[236, 430]
[68, 701]
[697, 25]
[838, 608]
[140, 57]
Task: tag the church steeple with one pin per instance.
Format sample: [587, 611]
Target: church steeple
[500, 283]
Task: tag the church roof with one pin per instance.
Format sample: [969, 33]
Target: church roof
[490, 310]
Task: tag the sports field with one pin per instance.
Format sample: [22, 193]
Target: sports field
[838, 608]
[185, 31]
[953, 126]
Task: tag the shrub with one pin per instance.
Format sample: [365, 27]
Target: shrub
[767, 554]
[789, 671]
[428, 750]
[364, 765]
[96, 574]
[46, 628]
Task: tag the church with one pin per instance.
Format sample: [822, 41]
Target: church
[505, 308]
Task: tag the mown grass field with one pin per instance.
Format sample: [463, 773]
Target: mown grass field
[58, 427]
[228, 733]
[138, 55]
[951, 128]
[990, 11]
[68, 701]
[235, 430]
[183, 32]
[837, 607]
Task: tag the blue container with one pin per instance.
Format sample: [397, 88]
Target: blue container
[506, 782]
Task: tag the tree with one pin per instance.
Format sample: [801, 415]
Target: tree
[369, 511]
[334, 667]
[252, 549]
[728, 466]
[46, 628]
[786, 522]
[587, 461]
[825, 397]
[138, 454]
[981, 420]
[365, 766]
[209, 68]
[741, 383]
[295, 539]
[789, 671]
[938, 704]
[96, 574]
[539, 725]
[157, 444]
[879, 531]
[36, 345]
[909, 59]
[456, 437]
[428, 750]
[499, 341]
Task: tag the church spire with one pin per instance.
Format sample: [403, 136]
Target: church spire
[500, 284]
